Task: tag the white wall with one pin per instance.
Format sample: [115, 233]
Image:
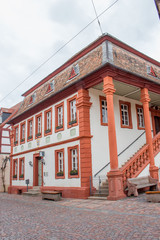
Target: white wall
[125, 136]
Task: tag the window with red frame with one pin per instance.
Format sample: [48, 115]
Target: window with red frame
[16, 135]
[103, 111]
[140, 117]
[72, 112]
[22, 132]
[39, 125]
[30, 129]
[48, 122]
[59, 163]
[21, 168]
[125, 112]
[73, 162]
[15, 168]
[59, 120]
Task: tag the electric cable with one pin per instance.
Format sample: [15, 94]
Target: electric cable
[34, 71]
[97, 17]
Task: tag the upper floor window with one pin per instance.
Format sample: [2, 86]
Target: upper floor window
[48, 121]
[22, 135]
[59, 117]
[39, 125]
[30, 129]
[125, 114]
[16, 136]
[103, 110]
[140, 117]
[72, 112]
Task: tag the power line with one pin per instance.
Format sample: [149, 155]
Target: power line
[97, 16]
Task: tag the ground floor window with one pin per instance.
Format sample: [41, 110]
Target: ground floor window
[21, 168]
[140, 117]
[73, 162]
[59, 164]
[15, 169]
[125, 114]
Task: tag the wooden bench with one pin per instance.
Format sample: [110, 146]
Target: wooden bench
[134, 184]
[153, 196]
[51, 195]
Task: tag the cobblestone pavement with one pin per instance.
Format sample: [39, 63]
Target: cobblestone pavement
[23, 217]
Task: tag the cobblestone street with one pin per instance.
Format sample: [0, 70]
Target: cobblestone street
[23, 217]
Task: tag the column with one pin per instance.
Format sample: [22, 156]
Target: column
[83, 105]
[145, 99]
[11, 162]
[115, 175]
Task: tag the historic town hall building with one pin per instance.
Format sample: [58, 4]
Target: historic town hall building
[96, 115]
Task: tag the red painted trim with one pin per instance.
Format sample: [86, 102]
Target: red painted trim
[20, 168]
[56, 164]
[56, 117]
[87, 50]
[51, 145]
[36, 127]
[69, 111]
[70, 161]
[45, 122]
[101, 98]
[129, 114]
[29, 138]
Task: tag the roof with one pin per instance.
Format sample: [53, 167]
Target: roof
[106, 49]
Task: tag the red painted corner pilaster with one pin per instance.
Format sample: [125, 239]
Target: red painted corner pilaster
[83, 106]
[115, 185]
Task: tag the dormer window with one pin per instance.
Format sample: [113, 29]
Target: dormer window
[74, 72]
[32, 98]
[50, 87]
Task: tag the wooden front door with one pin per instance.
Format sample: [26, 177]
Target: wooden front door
[37, 171]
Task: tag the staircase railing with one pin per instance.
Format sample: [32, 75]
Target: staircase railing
[140, 160]
[121, 152]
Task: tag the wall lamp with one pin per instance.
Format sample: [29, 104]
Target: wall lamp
[30, 163]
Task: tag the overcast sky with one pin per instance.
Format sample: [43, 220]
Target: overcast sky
[33, 30]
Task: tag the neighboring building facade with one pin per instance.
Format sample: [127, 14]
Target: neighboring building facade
[86, 119]
[5, 144]
[157, 2]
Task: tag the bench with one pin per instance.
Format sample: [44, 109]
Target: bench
[153, 196]
[134, 184]
[51, 195]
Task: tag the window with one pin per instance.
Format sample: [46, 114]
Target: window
[22, 135]
[15, 169]
[50, 87]
[140, 117]
[125, 114]
[30, 129]
[103, 111]
[59, 164]
[59, 117]
[73, 162]
[16, 135]
[48, 122]
[32, 98]
[21, 168]
[38, 125]
[72, 112]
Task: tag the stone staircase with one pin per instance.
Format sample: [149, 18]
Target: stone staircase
[102, 192]
[35, 191]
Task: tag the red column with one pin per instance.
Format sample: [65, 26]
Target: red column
[145, 100]
[115, 175]
[83, 105]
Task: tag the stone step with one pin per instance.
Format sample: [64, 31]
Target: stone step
[97, 198]
[100, 194]
[33, 194]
